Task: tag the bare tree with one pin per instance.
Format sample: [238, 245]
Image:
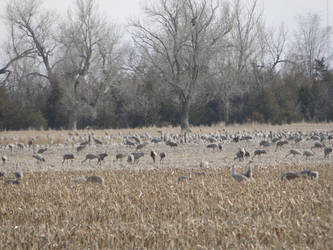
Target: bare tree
[310, 43]
[178, 38]
[34, 28]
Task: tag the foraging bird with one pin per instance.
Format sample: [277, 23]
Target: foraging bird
[81, 147]
[212, 145]
[308, 153]
[120, 156]
[171, 144]
[318, 145]
[248, 173]
[220, 147]
[142, 145]
[90, 157]
[327, 151]
[101, 158]
[137, 156]
[279, 144]
[2, 174]
[95, 179]
[290, 176]
[153, 155]
[264, 143]
[309, 173]
[12, 181]
[98, 141]
[293, 152]
[38, 157]
[68, 157]
[42, 150]
[18, 175]
[162, 156]
[238, 177]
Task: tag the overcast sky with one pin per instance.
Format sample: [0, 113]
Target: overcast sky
[275, 11]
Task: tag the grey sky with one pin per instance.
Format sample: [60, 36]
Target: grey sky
[275, 11]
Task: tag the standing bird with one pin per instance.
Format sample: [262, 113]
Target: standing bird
[318, 145]
[238, 177]
[141, 146]
[153, 155]
[240, 154]
[162, 156]
[248, 173]
[4, 159]
[101, 158]
[90, 157]
[327, 152]
[279, 144]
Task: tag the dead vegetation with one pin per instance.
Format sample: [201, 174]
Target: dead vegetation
[150, 209]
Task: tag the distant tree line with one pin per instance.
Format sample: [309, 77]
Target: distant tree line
[187, 62]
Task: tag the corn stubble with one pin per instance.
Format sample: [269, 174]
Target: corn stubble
[150, 209]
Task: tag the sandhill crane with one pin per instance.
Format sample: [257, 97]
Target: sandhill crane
[11, 147]
[318, 145]
[137, 156]
[327, 151]
[95, 179]
[12, 181]
[30, 142]
[2, 174]
[290, 175]
[279, 144]
[81, 147]
[162, 156]
[309, 173]
[38, 157]
[90, 157]
[41, 150]
[120, 156]
[101, 158]
[142, 145]
[264, 144]
[259, 152]
[171, 144]
[240, 154]
[308, 153]
[183, 178]
[297, 140]
[238, 177]
[98, 142]
[220, 146]
[153, 155]
[20, 145]
[248, 173]
[293, 152]
[68, 157]
[212, 145]
[4, 159]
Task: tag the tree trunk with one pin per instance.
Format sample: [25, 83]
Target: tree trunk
[72, 122]
[184, 122]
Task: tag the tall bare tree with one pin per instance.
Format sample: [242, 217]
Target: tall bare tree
[90, 50]
[310, 43]
[178, 37]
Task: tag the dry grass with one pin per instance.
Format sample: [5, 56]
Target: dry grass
[150, 209]
[143, 206]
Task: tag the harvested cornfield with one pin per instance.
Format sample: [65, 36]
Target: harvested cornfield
[156, 209]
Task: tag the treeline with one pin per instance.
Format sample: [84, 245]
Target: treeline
[194, 62]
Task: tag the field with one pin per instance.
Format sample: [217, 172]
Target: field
[146, 205]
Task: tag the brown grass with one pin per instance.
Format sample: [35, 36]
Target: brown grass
[150, 209]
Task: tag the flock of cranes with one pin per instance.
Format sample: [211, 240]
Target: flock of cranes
[267, 143]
